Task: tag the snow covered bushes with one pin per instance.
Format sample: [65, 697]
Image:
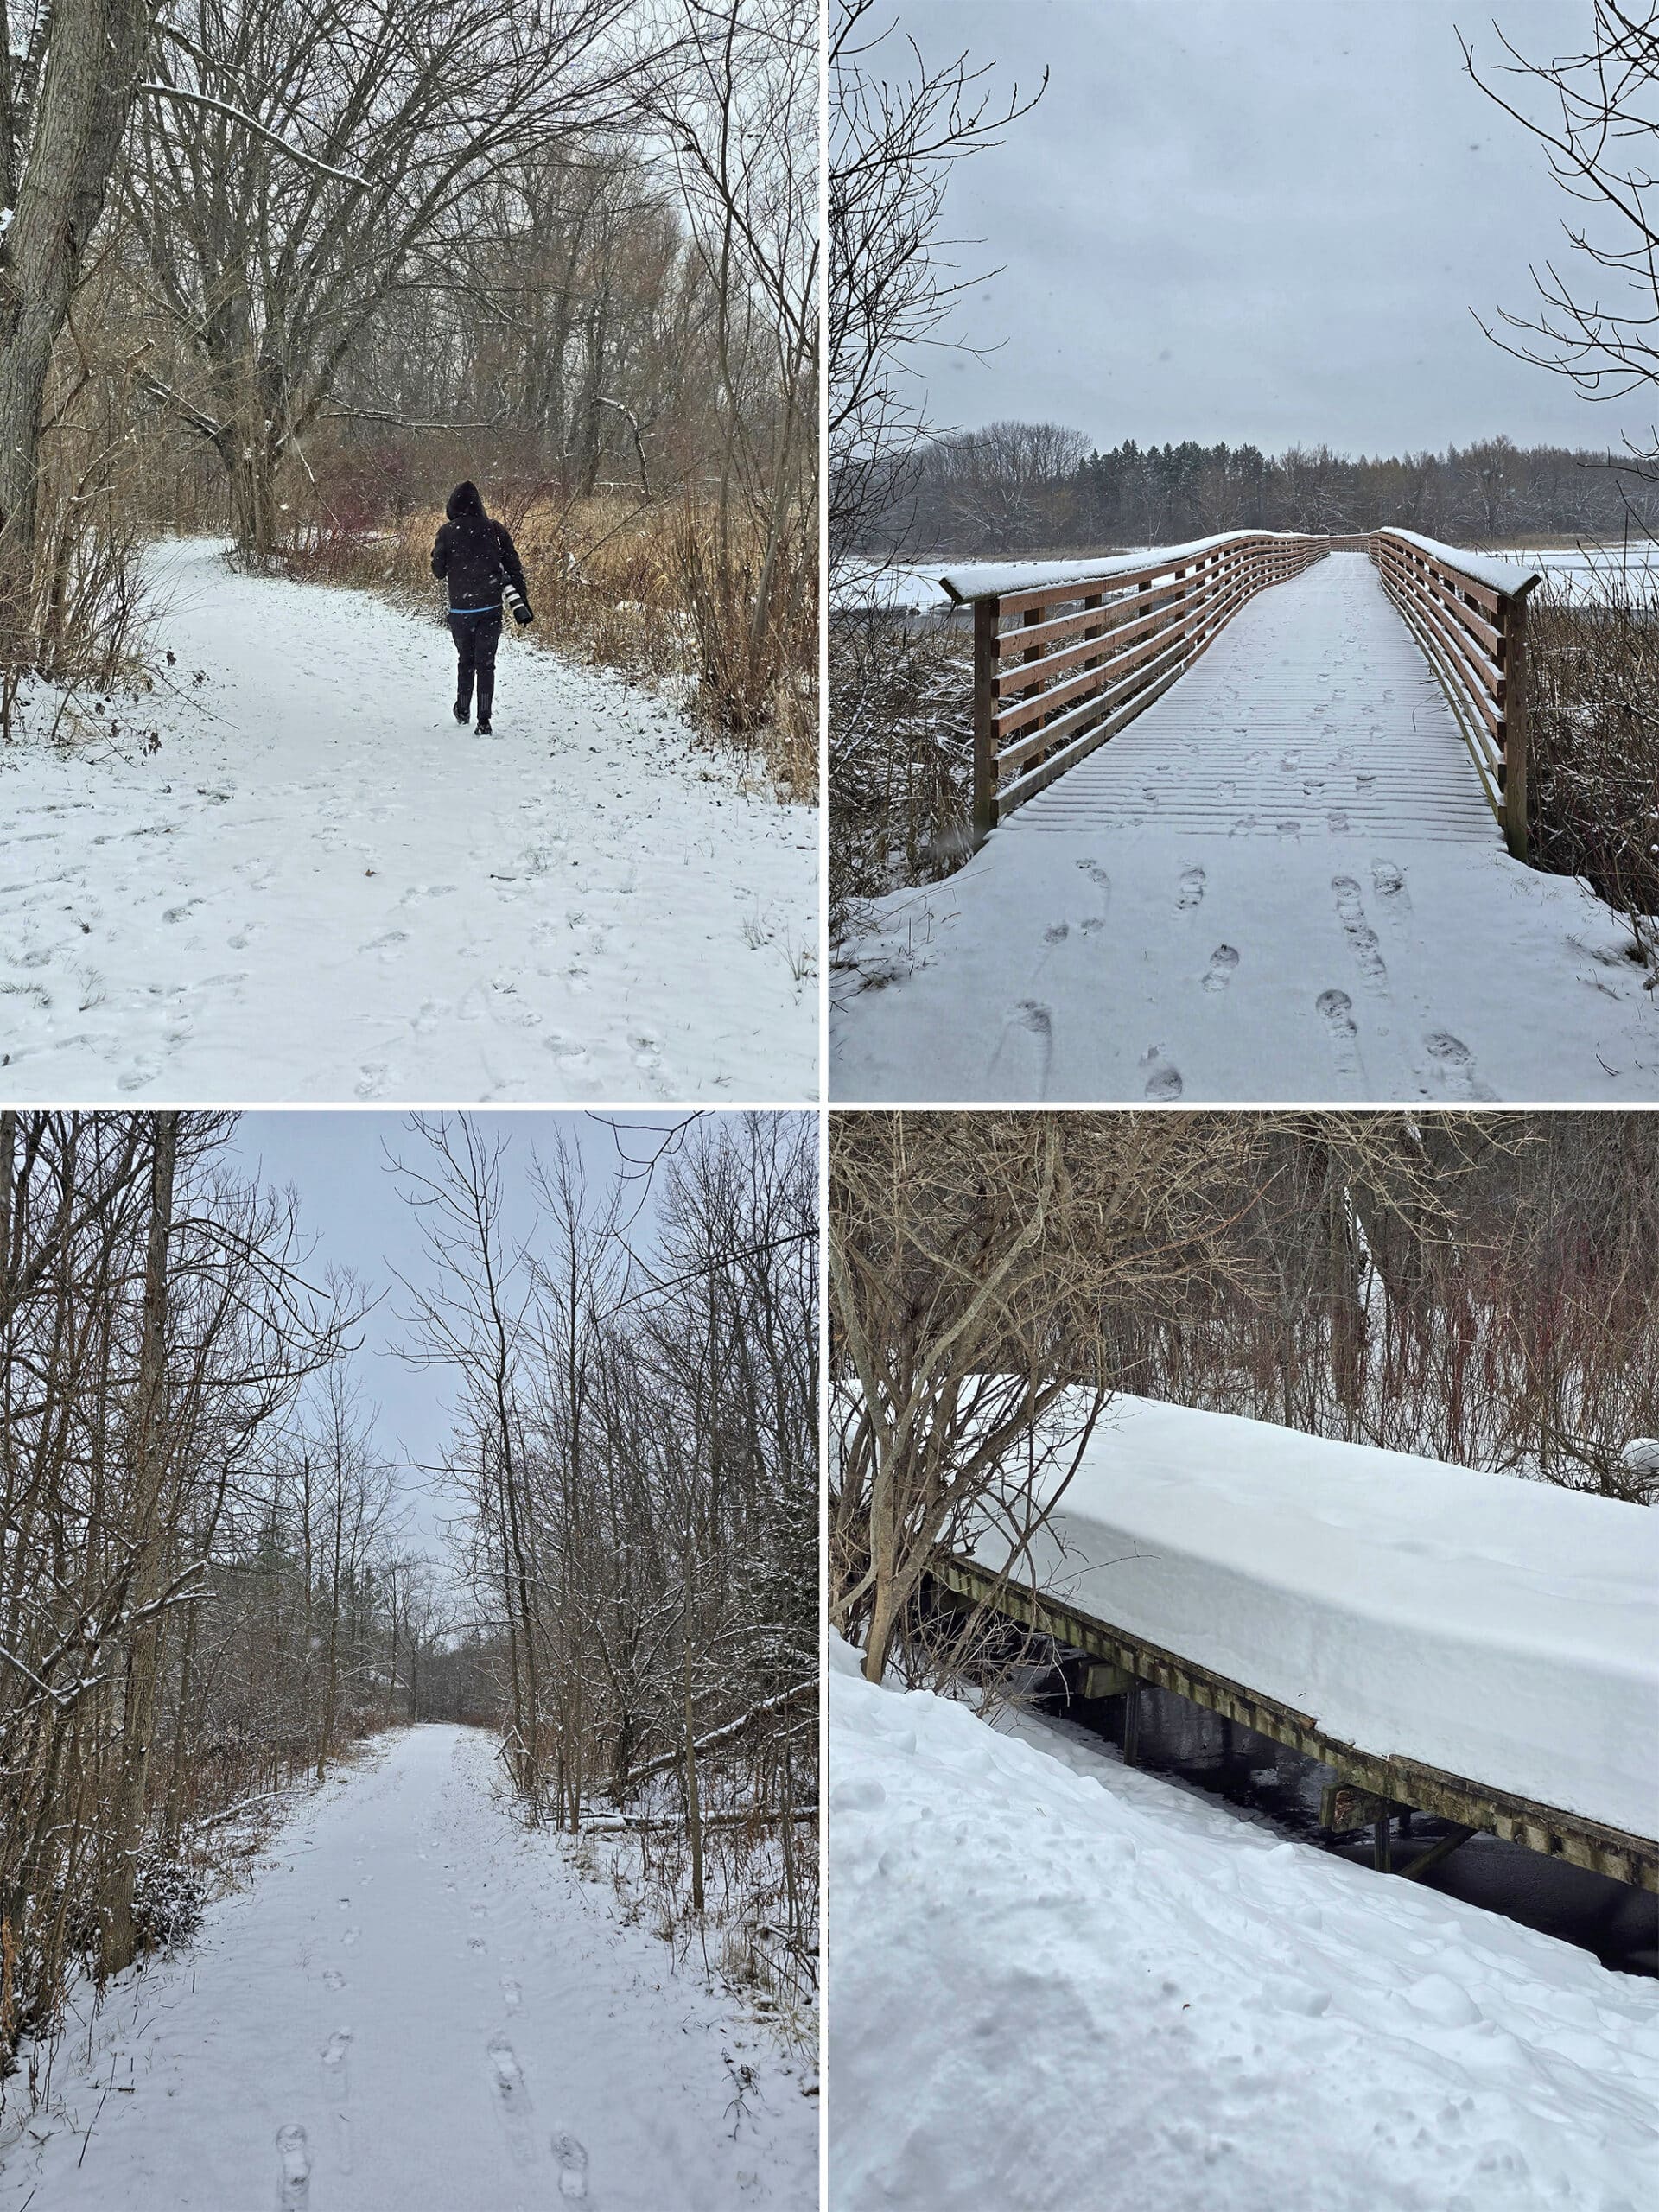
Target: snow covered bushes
[1593, 693]
[900, 753]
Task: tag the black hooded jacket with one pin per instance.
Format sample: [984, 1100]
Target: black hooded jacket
[473, 553]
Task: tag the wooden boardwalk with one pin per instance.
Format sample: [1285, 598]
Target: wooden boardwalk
[1378, 1785]
[1313, 715]
[1251, 825]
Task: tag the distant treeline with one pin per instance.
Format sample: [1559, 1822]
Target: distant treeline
[1030, 488]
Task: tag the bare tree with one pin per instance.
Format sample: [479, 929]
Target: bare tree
[970, 1257]
[64, 106]
[893, 144]
[1600, 132]
[271, 242]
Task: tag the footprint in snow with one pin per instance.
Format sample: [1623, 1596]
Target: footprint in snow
[571, 2158]
[511, 1995]
[1036, 1022]
[1222, 962]
[1389, 884]
[1164, 1082]
[333, 1978]
[511, 2098]
[350, 1937]
[1191, 893]
[334, 2074]
[1336, 1010]
[1454, 1065]
[293, 2154]
[1057, 932]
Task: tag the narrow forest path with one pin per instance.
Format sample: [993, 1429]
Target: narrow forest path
[318, 887]
[418, 2007]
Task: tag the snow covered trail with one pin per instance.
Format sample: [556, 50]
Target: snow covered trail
[320, 888]
[1056, 1982]
[418, 2008]
[1279, 882]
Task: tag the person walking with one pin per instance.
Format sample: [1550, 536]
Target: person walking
[475, 557]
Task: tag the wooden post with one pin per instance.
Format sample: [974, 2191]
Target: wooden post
[985, 615]
[1132, 1722]
[1381, 1847]
[1512, 613]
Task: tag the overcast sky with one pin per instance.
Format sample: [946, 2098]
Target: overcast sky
[349, 1205]
[1258, 220]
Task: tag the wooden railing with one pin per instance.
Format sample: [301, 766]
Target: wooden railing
[1081, 655]
[1474, 634]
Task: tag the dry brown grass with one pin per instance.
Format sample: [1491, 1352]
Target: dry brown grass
[614, 586]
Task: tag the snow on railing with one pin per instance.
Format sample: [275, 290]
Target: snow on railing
[1094, 644]
[1468, 614]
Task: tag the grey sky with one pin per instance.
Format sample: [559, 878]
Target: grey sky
[1256, 219]
[349, 1205]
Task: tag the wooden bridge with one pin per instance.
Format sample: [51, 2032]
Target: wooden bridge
[1065, 663]
[1369, 1790]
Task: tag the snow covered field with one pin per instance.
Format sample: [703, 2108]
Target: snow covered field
[1502, 1630]
[417, 2008]
[1058, 1983]
[319, 888]
[1281, 882]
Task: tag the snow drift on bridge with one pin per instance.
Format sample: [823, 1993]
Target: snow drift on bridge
[1060, 1983]
[1500, 1629]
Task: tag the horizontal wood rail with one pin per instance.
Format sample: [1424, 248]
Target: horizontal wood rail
[1081, 656]
[1474, 637]
[1397, 1782]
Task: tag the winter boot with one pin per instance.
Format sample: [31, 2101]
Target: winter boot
[483, 729]
[462, 715]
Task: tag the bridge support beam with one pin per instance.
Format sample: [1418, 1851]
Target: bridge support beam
[1453, 1839]
[1132, 1723]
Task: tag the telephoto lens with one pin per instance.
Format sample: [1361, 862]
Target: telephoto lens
[517, 601]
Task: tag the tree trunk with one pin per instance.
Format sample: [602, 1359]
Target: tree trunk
[86, 93]
[145, 1642]
[693, 1801]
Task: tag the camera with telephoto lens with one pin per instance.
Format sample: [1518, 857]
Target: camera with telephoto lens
[517, 602]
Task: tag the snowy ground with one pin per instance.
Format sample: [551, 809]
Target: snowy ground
[319, 888]
[1279, 883]
[417, 2008]
[1055, 1983]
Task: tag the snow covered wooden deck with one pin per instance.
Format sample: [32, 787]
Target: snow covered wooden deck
[1471, 1645]
[1280, 881]
[1312, 715]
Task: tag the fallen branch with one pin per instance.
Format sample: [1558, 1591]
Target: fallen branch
[636, 1824]
[782, 1703]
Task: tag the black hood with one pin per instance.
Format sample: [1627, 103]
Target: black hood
[464, 501]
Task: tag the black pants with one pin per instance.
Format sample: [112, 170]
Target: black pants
[476, 638]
